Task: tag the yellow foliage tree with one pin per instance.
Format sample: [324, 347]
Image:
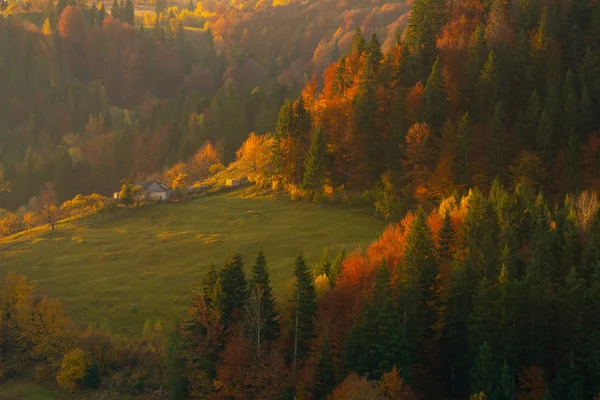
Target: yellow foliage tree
[72, 369]
[255, 157]
[201, 162]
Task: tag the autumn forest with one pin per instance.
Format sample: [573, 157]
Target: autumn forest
[469, 127]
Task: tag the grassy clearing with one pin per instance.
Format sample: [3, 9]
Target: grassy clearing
[122, 272]
[22, 390]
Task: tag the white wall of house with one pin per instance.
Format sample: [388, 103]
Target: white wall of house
[157, 195]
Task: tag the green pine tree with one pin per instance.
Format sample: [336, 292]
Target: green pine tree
[306, 305]
[357, 44]
[505, 385]
[315, 160]
[115, 10]
[235, 289]
[336, 267]
[446, 239]
[435, 98]
[373, 49]
[260, 279]
[129, 13]
[325, 376]
[484, 372]
[92, 378]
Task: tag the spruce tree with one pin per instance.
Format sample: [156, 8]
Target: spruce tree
[282, 130]
[306, 305]
[324, 265]
[435, 98]
[210, 279]
[92, 378]
[315, 160]
[446, 239]
[325, 374]
[357, 44]
[336, 267]
[505, 385]
[115, 10]
[129, 13]
[235, 289]
[462, 150]
[373, 49]
[260, 279]
[484, 372]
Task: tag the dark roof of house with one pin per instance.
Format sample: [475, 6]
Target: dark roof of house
[146, 185]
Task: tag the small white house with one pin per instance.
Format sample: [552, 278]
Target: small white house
[232, 182]
[153, 190]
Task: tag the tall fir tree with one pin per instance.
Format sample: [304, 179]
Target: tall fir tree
[115, 10]
[325, 376]
[235, 289]
[435, 98]
[129, 13]
[314, 163]
[306, 305]
[260, 278]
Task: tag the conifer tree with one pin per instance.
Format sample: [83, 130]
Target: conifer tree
[435, 98]
[424, 23]
[324, 265]
[282, 129]
[92, 378]
[315, 160]
[373, 49]
[129, 13]
[462, 150]
[487, 86]
[235, 289]
[505, 386]
[336, 267]
[484, 372]
[483, 322]
[325, 374]
[446, 239]
[358, 44]
[306, 305]
[260, 279]
[115, 10]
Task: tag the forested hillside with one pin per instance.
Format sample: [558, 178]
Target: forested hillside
[472, 91]
[90, 100]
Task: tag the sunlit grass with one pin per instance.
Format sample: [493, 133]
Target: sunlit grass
[119, 273]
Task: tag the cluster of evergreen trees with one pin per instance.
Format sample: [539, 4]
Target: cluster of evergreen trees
[493, 296]
[468, 93]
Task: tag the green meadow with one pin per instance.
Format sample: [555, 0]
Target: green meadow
[119, 273]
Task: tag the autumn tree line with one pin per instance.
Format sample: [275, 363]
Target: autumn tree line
[92, 102]
[482, 297]
[91, 99]
[469, 92]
